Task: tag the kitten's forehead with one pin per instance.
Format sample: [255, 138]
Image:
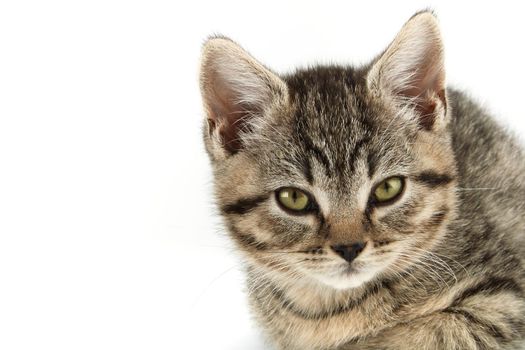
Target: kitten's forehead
[336, 121]
[331, 104]
[326, 93]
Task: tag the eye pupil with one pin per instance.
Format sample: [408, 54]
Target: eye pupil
[293, 199]
[388, 190]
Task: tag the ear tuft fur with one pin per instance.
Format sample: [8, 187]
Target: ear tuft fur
[235, 87]
[411, 70]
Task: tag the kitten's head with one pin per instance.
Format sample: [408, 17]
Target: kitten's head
[333, 175]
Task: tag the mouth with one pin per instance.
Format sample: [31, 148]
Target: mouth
[346, 276]
[349, 271]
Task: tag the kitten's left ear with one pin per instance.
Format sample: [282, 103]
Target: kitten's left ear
[411, 70]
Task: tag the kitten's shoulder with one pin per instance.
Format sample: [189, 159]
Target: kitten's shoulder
[491, 166]
[478, 136]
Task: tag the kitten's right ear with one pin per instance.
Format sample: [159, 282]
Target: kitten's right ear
[235, 89]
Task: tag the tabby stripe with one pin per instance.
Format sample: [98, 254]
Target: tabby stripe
[244, 205]
[318, 154]
[289, 306]
[371, 159]
[247, 239]
[492, 329]
[433, 179]
[307, 170]
[490, 286]
[437, 217]
[480, 344]
[357, 150]
[439, 337]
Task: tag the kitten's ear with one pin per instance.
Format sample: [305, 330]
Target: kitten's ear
[235, 89]
[411, 70]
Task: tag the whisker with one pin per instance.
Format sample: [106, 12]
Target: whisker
[222, 274]
[477, 188]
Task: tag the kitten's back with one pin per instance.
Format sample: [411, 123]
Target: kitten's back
[489, 161]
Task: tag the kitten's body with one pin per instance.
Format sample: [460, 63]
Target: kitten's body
[483, 251]
[442, 267]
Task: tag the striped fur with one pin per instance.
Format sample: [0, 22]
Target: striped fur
[443, 266]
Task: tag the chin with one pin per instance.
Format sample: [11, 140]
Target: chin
[346, 277]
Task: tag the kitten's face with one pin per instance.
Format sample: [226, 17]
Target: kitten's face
[328, 175]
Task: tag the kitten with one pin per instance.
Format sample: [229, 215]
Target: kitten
[375, 208]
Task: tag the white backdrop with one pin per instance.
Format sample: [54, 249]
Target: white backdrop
[108, 238]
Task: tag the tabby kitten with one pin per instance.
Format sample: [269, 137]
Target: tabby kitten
[375, 208]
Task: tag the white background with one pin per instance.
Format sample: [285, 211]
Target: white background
[108, 238]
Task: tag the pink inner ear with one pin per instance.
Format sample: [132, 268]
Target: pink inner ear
[228, 116]
[427, 114]
[428, 89]
[235, 89]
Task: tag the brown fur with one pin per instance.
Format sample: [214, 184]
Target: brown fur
[443, 265]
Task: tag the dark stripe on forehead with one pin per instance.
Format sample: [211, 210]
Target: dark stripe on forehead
[433, 179]
[372, 164]
[311, 150]
[318, 154]
[243, 205]
[353, 157]
[307, 170]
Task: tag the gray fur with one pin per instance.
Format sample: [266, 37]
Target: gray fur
[444, 267]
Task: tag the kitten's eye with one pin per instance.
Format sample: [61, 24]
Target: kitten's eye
[293, 199]
[389, 189]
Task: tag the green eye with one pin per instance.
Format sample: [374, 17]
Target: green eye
[389, 189]
[293, 199]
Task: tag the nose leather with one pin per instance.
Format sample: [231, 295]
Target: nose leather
[349, 252]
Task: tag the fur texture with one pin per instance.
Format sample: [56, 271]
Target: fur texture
[442, 266]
